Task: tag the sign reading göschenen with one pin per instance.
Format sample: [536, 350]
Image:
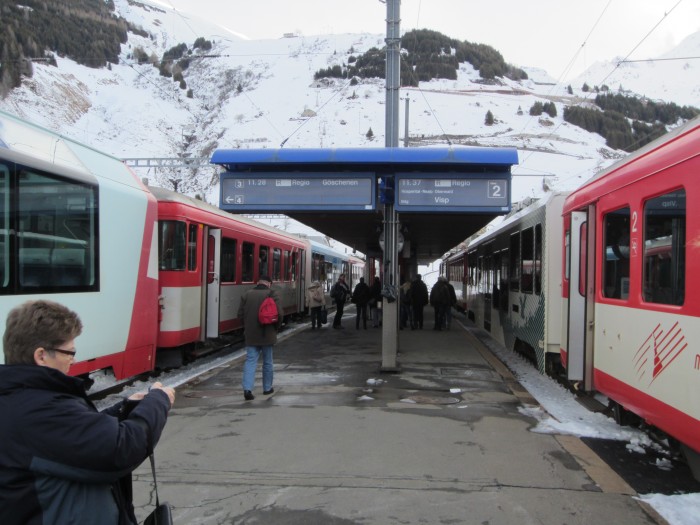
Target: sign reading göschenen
[298, 191]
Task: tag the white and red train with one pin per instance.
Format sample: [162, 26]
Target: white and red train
[147, 269]
[620, 315]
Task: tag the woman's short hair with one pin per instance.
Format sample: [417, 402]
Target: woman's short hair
[37, 324]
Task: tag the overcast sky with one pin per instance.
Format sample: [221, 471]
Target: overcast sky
[549, 34]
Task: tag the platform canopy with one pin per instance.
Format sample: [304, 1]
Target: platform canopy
[442, 195]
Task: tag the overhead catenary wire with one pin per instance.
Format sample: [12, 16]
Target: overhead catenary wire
[586, 98]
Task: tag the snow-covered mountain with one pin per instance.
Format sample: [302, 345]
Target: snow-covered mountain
[259, 94]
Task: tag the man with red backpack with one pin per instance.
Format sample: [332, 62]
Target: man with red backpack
[259, 338]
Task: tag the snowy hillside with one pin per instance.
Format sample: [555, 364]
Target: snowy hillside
[674, 77]
[259, 94]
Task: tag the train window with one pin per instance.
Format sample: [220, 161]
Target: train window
[505, 264]
[567, 255]
[497, 268]
[4, 227]
[295, 258]
[247, 258]
[538, 259]
[264, 261]
[287, 265]
[276, 264]
[56, 234]
[527, 260]
[471, 261]
[515, 262]
[192, 247]
[583, 259]
[480, 274]
[616, 268]
[664, 249]
[171, 243]
[227, 266]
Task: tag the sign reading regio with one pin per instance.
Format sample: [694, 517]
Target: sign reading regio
[327, 191]
[452, 192]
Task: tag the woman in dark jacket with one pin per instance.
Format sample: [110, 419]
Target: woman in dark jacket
[61, 460]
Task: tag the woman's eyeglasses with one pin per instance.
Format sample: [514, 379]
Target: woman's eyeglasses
[70, 353]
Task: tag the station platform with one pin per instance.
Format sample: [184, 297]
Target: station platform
[338, 443]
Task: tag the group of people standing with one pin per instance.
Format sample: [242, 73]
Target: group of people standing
[368, 298]
[413, 297]
[442, 299]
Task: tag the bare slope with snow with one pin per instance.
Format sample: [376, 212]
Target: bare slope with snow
[252, 94]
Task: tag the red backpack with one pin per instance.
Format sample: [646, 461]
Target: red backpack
[267, 314]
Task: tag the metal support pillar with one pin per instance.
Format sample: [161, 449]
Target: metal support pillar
[390, 314]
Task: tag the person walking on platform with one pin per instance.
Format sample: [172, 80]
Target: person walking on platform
[361, 296]
[339, 293]
[61, 460]
[315, 301]
[375, 302]
[440, 300]
[259, 338]
[453, 302]
[419, 298]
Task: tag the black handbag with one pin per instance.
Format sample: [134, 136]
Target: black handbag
[324, 315]
[162, 514]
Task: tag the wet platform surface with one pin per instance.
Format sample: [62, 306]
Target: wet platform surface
[441, 442]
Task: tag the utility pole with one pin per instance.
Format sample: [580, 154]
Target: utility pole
[390, 317]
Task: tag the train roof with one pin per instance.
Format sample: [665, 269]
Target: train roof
[327, 251]
[40, 145]
[239, 159]
[526, 207]
[165, 195]
[679, 144]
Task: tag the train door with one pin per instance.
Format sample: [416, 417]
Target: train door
[298, 272]
[212, 282]
[579, 364]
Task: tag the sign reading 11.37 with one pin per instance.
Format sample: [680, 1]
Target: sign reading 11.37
[461, 194]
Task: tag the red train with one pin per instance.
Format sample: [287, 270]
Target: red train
[146, 269]
[623, 250]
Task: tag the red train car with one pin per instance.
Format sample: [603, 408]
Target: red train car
[631, 260]
[207, 259]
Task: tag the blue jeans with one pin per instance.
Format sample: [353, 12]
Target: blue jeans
[251, 363]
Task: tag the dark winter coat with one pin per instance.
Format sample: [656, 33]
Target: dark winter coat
[419, 293]
[62, 461]
[440, 294]
[255, 333]
[340, 292]
[361, 295]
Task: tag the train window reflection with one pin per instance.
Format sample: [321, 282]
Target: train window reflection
[56, 232]
[247, 258]
[192, 248]
[4, 226]
[276, 264]
[616, 269]
[287, 266]
[294, 274]
[527, 260]
[538, 259]
[263, 261]
[171, 239]
[664, 249]
[515, 262]
[228, 260]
